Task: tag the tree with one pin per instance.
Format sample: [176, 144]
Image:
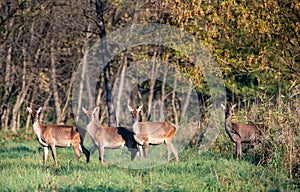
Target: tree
[107, 79]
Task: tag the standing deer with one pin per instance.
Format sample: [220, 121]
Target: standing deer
[154, 133]
[109, 137]
[51, 136]
[240, 133]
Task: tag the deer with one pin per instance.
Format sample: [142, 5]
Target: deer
[52, 136]
[153, 133]
[109, 137]
[240, 133]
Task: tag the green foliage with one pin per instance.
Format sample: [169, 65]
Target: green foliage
[254, 42]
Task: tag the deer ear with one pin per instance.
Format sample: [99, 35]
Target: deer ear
[233, 106]
[96, 114]
[140, 108]
[130, 108]
[95, 110]
[84, 110]
[223, 106]
[39, 110]
[29, 109]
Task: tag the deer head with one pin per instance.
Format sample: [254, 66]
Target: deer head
[34, 114]
[228, 110]
[135, 112]
[93, 115]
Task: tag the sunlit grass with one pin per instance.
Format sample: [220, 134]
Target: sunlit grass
[22, 170]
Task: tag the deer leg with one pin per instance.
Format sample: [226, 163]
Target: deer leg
[175, 152]
[46, 150]
[101, 154]
[140, 143]
[132, 147]
[42, 142]
[145, 146]
[53, 150]
[238, 150]
[140, 151]
[85, 152]
[77, 150]
[133, 153]
[169, 147]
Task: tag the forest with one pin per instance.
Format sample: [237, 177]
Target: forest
[180, 59]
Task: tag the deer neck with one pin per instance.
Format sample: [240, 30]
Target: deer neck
[228, 123]
[135, 125]
[134, 121]
[38, 130]
[93, 126]
[135, 118]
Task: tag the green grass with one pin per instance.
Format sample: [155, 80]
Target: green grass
[21, 169]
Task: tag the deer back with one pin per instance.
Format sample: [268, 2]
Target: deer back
[61, 135]
[247, 132]
[154, 132]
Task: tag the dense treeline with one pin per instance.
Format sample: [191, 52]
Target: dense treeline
[255, 43]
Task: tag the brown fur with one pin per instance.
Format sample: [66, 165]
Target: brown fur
[240, 133]
[154, 133]
[109, 137]
[57, 136]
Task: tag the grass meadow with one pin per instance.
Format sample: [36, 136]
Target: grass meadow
[21, 169]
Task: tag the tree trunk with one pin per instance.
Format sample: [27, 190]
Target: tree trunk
[79, 104]
[8, 87]
[46, 102]
[109, 100]
[8, 83]
[64, 110]
[163, 94]
[89, 90]
[86, 47]
[107, 79]
[8, 80]
[187, 100]
[33, 96]
[99, 94]
[5, 118]
[21, 95]
[83, 76]
[121, 87]
[57, 102]
[174, 102]
[152, 85]
[27, 125]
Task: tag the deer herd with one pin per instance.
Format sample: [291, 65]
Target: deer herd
[136, 138]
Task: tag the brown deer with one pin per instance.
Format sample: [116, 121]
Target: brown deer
[154, 133]
[109, 137]
[51, 136]
[240, 133]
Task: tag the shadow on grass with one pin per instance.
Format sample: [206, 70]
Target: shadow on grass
[19, 164]
[16, 149]
[112, 189]
[99, 188]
